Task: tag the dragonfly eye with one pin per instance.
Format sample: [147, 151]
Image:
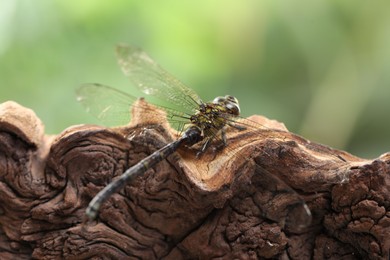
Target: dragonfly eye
[231, 103]
[233, 108]
[219, 100]
[231, 99]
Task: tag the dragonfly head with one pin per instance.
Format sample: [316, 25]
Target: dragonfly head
[230, 103]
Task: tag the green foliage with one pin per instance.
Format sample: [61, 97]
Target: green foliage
[319, 66]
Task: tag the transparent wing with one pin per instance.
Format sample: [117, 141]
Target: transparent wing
[281, 203]
[151, 79]
[109, 105]
[112, 106]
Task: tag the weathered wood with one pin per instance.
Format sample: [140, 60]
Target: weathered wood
[186, 207]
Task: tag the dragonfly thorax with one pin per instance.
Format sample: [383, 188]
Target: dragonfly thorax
[213, 116]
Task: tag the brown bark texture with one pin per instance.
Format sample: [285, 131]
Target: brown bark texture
[225, 204]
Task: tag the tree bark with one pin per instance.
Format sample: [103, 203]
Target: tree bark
[220, 205]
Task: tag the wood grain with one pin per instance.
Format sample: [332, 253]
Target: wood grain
[216, 206]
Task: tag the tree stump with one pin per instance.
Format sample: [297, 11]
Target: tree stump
[215, 206]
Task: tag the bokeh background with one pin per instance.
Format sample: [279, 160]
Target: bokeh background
[321, 67]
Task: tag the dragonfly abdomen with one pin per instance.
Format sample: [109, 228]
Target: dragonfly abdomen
[190, 137]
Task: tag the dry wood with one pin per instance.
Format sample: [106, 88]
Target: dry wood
[186, 207]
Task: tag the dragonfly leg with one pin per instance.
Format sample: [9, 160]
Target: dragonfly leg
[238, 127]
[219, 147]
[222, 145]
[210, 137]
[205, 145]
[223, 136]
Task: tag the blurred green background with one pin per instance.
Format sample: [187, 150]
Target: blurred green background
[321, 67]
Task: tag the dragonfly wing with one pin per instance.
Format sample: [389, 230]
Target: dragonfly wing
[281, 203]
[152, 79]
[112, 106]
[109, 105]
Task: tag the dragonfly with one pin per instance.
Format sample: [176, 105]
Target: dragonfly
[201, 123]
